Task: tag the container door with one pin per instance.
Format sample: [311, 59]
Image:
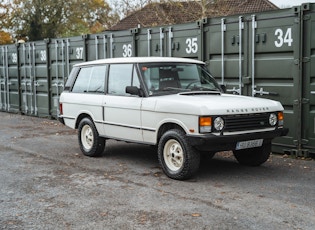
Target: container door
[3, 74]
[122, 43]
[185, 40]
[273, 66]
[153, 42]
[12, 80]
[144, 42]
[40, 82]
[96, 47]
[226, 48]
[27, 79]
[58, 63]
[308, 89]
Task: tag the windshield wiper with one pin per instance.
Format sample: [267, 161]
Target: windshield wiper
[204, 89]
[174, 88]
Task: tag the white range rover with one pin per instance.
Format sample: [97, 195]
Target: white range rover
[172, 103]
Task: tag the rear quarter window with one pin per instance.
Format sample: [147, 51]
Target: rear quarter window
[90, 80]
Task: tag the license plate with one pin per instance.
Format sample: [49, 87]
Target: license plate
[249, 144]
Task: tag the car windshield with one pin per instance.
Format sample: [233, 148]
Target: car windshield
[170, 78]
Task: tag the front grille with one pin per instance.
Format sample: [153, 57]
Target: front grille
[246, 122]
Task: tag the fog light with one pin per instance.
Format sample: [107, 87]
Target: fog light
[273, 119]
[218, 123]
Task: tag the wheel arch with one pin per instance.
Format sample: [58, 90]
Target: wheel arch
[168, 126]
[81, 117]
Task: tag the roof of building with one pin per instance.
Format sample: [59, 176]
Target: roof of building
[155, 14]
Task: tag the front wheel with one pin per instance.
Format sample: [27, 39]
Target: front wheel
[254, 156]
[178, 159]
[91, 144]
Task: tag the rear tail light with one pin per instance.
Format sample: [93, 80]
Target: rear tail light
[60, 109]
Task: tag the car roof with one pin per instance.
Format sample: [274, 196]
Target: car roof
[140, 60]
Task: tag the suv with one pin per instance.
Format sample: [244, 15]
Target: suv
[171, 103]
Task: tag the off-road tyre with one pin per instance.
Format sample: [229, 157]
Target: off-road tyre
[91, 144]
[178, 159]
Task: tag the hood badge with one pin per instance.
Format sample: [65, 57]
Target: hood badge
[248, 110]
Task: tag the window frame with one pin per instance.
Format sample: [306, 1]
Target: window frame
[77, 73]
[133, 75]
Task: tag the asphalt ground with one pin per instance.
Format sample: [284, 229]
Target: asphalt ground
[46, 183]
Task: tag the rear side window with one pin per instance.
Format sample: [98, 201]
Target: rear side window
[120, 76]
[90, 80]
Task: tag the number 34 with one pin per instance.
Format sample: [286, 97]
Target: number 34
[283, 38]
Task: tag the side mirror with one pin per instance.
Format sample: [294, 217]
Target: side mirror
[223, 88]
[133, 90]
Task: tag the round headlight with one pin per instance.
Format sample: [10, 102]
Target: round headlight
[273, 119]
[218, 123]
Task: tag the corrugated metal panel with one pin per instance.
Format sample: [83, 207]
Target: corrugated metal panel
[185, 40]
[307, 89]
[58, 72]
[255, 55]
[151, 42]
[3, 74]
[63, 54]
[33, 61]
[97, 46]
[275, 47]
[123, 44]
[11, 79]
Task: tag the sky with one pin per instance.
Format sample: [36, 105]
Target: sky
[289, 3]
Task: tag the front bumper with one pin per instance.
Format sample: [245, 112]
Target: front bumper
[211, 142]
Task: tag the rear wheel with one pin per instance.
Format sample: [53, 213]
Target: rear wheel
[178, 159]
[91, 144]
[254, 156]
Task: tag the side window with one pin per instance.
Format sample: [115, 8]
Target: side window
[81, 83]
[90, 80]
[97, 80]
[120, 76]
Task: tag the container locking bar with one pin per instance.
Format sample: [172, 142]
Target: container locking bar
[223, 29]
[161, 41]
[240, 28]
[234, 90]
[254, 26]
[149, 41]
[262, 92]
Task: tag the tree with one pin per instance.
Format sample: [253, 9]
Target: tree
[39, 19]
[5, 37]
[125, 7]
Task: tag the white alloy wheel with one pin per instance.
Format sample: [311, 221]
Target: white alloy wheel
[87, 137]
[173, 155]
